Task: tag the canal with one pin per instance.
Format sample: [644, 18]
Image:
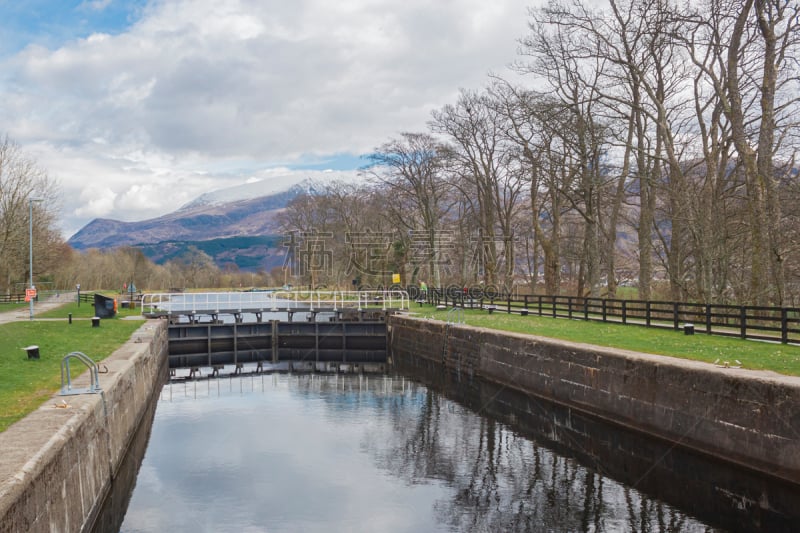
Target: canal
[335, 452]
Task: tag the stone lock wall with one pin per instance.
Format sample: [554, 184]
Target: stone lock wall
[750, 418]
[57, 463]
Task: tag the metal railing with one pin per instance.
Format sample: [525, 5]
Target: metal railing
[266, 301]
[66, 377]
[455, 315]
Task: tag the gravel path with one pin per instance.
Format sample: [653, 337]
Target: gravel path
[51, 302]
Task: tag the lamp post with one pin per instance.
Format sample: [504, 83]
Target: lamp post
[30, 244]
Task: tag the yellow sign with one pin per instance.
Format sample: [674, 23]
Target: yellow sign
[395, 278]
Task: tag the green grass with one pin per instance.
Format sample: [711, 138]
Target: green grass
[26, 384]
[781, 358]
[627, 293]
[84, 310]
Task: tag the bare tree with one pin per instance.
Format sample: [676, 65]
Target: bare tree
[484, 172]
[760, 98]
[410, 168]
[568, 60]
[21, 181]
[535, 126]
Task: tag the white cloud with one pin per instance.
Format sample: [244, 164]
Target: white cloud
[96, 201]
[198, 85]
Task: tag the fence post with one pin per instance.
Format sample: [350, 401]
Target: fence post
[675, 316]
[604, 310]
[586, 308]
[554, 307]
[540, 305]
[708, 319]
[647, 313]
[624, 311]
[784, 326]
[569, 307]
[743, 322]
[526, 302]
[509, 302]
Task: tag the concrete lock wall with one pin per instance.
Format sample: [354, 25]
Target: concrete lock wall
[57, 463]
[750, 418]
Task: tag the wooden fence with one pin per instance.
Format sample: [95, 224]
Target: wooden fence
[779, 324]
[12, 298]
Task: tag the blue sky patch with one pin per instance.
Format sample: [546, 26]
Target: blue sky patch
[51, 23]
[334, 162]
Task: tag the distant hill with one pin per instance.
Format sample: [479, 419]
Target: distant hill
[195, 223]
[234, 226]
[247, 253]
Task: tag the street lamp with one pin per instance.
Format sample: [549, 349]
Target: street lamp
[31, 199]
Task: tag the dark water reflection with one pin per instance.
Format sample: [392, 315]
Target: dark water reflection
[358, 453]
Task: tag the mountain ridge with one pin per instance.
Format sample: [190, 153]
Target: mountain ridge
[235, 226]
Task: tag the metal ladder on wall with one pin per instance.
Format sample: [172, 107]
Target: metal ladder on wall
[66, 387]
[454, 316]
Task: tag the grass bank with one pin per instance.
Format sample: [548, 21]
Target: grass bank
[781, 358]
[83, 311]
[26, 384]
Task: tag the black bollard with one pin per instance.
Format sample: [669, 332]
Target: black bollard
[69, 317]
[33, 352]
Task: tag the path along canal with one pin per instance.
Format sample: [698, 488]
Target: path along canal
[328, 452]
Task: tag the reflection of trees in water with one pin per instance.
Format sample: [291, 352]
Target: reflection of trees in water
[504, 482]
[421, 454]
[672, 521]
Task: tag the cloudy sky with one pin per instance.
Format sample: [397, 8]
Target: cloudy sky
[137, 107]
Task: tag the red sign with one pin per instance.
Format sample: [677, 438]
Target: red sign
[30, 294]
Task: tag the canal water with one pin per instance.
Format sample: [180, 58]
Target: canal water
[328, 453]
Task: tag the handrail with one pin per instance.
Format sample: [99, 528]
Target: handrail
[238, 302]
[94, 387]
[455, 315]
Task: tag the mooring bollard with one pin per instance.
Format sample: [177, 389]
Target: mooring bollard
[33, 351]
[95, 321]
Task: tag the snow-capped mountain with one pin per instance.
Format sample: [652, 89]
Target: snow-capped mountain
[269, 185]
[234, 213]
